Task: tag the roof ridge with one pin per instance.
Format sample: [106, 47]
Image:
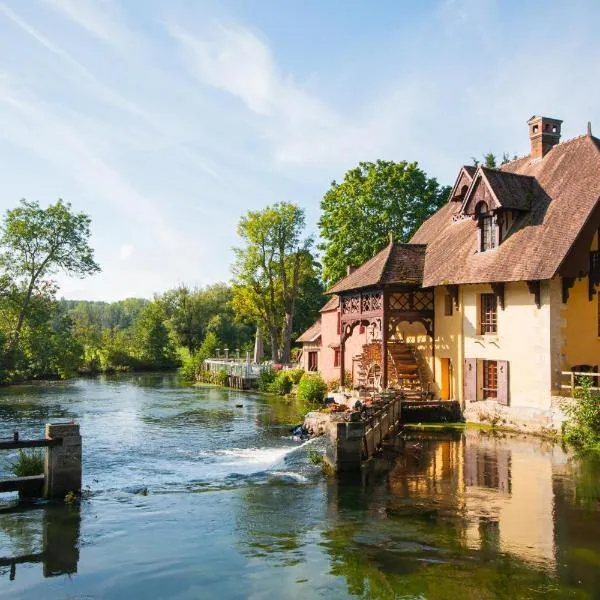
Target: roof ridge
[389, 248]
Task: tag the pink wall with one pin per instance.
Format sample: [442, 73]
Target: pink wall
[330, 337]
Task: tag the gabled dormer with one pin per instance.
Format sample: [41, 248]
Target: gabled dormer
[463, 183]
[495, 199]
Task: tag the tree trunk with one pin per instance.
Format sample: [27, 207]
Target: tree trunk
[15, 338]
[287, 338]
[274, 345]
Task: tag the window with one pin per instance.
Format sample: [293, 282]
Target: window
[487, 227]
[361, 328]
[336, 357]
[490, 379]
[488, 233]
[313, 361]
[448, 305]
[488, 323]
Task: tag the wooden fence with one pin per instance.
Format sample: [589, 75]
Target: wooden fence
[573, 378]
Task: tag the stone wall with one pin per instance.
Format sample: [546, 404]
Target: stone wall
[526, 419]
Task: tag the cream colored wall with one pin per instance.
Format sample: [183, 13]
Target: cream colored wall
[523, 339]
[525, 513]
[449, 343]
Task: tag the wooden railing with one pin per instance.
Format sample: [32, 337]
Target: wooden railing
[33, 484]
[575, 376]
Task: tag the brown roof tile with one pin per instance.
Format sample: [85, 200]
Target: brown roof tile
[566, 191]
[396, 263]
[331, 304]
[312, 333]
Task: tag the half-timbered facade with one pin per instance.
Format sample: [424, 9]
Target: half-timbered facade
[494, 299]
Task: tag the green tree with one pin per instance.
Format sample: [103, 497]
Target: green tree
[38, 242]
[153, 346]
[270, 269]
[373, 200]
[489, 160]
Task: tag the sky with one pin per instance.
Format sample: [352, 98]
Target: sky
[167, 120]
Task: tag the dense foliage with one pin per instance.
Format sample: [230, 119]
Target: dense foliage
[311, 388]
[374, 200]
[35, 243]
[582, 429]
[274, 272]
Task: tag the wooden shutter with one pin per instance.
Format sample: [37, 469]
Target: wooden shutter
[502, 382]
[470, 379]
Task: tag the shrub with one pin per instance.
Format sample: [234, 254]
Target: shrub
[222, 377]
[28, 463]
[311, 388]
[265, 380]
[315, 457]
[334, 384]
[295, 375]
[282, 384]
[582, 430]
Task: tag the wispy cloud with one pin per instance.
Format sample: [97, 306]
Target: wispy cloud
[101, 18]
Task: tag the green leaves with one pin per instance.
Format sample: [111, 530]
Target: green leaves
[270, 269]
[37, 242]
[373, 200]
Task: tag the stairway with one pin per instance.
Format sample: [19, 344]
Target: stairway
[403, 368]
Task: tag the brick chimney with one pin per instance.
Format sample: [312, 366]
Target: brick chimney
[544, 133]
[350, 269]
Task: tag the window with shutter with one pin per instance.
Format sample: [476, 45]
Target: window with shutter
[502, 395]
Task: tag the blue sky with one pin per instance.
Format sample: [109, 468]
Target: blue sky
[166, 120]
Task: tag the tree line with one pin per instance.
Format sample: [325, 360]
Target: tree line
[279, 276]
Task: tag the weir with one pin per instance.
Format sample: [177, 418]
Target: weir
[354, 438]
[62, 463]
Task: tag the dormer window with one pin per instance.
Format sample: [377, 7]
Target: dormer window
[487, 227]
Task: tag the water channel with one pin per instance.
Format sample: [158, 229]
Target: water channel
[190, 495]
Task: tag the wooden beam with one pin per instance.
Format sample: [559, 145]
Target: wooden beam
[32, 484]
[45, 443]
[453, 293]
[567, 284]
[498, 289]
[535, 288]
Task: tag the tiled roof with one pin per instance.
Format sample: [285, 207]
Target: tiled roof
[312, 333]
[510, 189]
[565, 192]
[331, 304]
[396, 263]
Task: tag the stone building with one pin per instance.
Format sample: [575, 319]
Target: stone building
[493, 302]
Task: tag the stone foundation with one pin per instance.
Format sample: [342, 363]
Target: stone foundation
[526, 419]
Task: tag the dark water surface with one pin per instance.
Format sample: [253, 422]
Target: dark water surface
[236, 510]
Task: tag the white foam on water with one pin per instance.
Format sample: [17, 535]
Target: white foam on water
[246, 461]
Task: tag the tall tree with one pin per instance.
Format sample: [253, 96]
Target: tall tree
[270, 269]
[373, 200]
[37, 242]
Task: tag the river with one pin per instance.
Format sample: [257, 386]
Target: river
[199, 492]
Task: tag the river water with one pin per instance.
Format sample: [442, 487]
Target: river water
[190, 495]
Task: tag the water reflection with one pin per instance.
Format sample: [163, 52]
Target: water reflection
[465, 514]
[57, 550]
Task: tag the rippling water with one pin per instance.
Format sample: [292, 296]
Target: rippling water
[191, 496]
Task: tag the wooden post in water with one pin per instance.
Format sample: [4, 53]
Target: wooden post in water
[62, 466]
